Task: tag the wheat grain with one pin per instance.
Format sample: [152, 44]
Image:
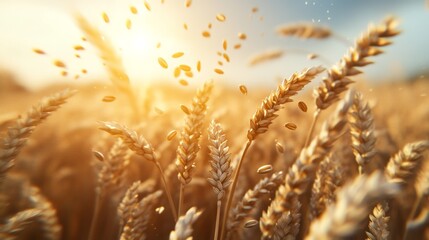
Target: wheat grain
[288, 225]
[302, 106]
[265, 169]
[220, 17]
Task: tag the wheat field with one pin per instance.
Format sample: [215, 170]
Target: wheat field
[342, 160]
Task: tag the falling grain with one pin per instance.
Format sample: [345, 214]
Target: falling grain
[237, 46]
[77, 55]
[64, 73]
[177, 72]
[128, 24]
[254, 9]
[206, 34]
[302, 106]
[185, 109]
[220, 17]
[312, 56]
[78, 48]
[279, 147]
[84, 71]
[171, 135]
[177, 55]
[162, 62]
[185, 67]
[109, 98]
[243, 89]
[158, 45]
[98, 155]
[199, 66]
[189, 74]
[225, 45]
[183, 82]
[185, 26]
[220, 63]
[226, 57]
[188, 3]
[146, 4]
[251, 223]
[242, 36]
[39, 51]
[209, 25]
[133, 10]
[105, 17]
[265, 169]
[291, 126]
[59, 63]
[218, 71]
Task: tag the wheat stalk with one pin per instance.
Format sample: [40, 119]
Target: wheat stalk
[17, 134]
[264, 116]
[338, 222]
[48, 215]
[189, 142]
[221, 169]
[111, 60]
[139, 217]
[361, 123]
[248, 202]
[302, 173]
[141, 147]
[183, 229]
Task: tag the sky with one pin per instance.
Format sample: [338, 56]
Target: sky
[50, 25]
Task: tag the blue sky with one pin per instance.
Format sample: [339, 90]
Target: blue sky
[50, 25]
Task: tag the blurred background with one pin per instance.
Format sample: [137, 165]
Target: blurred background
[50, 25]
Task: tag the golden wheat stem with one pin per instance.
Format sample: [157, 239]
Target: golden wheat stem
[218, 208]
[313, 124]
[181, 192]
[96, 216]
[232, 189]
[167, 190]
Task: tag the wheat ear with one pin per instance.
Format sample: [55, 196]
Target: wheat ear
[183, 229]
[402, 167]
[248, 203]
[139, 217]
[338, 222]
[361, 123]
[189, 142]
[287, 226]
[378, 223]
[328, 179]
[111, 59]
[17, 223]
[48, 215]
[221, 169]
[264, 116]
[338, 79]
[17, 134]
[141, 147]
[301, 175]
[131, 198]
